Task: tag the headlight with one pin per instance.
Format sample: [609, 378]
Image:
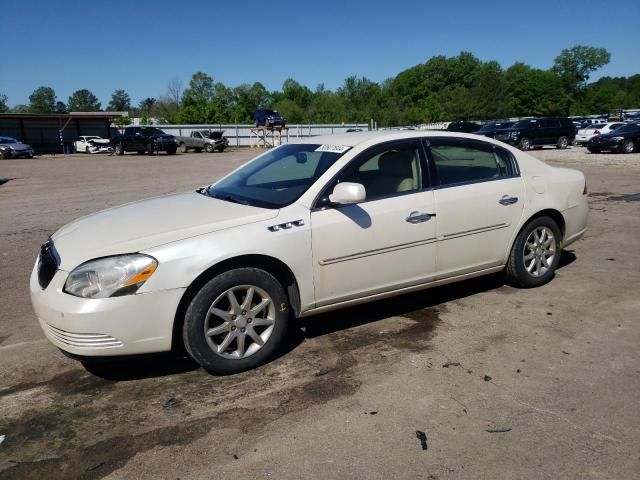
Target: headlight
[110, 276]
[617, 139]
[514, 134]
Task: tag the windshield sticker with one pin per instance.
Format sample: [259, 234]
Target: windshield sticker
[333, 148]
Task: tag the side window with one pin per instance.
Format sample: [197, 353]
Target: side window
[388, 172]
[460, 162]
[297, 166]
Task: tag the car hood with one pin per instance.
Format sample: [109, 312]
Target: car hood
[492, 130]
[508, 130]
[149, 223]
[16, 146]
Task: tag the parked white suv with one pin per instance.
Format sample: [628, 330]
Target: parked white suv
[302, 229]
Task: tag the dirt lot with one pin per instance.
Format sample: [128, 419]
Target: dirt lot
[558, 367]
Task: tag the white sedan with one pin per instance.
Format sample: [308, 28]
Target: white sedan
[587, 133]
[302, 229]
[92, 144]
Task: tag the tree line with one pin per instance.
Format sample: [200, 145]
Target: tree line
[443, 88]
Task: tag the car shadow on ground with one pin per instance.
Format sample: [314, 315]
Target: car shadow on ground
[162, 365]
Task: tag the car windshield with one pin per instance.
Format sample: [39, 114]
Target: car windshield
[204, 133]
[524, 123]
[632, 127]
[8, 140]
[279, 177]
[595, 126]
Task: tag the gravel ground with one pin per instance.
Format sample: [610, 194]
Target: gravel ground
[544, 383]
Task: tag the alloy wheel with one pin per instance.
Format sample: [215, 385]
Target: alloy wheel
[539, 251]
[239, 322]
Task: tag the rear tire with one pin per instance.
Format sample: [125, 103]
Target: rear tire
[593, 150]
[563, 143]
[223, 342]
[535, 254]
[149, 149]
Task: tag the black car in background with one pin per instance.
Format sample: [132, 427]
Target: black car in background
[148, 140]
[464, 127]
[624, 139]
[491, 128]
[268, 119]
[536, 132]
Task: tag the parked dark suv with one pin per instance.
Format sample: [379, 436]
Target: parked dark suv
[268, 119]
[144, 140]
[535, 132]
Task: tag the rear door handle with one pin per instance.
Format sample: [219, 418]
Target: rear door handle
[418, 217]
[508, 200]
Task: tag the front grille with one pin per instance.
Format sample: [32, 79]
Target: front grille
[48, 262]
[83, 340]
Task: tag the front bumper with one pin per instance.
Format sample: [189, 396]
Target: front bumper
[127, 325]
[507, 139]
[607, 145]
[19, 153]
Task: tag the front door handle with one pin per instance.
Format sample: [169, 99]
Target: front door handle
[418, 217]
[507, 200]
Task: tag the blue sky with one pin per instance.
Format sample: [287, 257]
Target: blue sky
[139, 45]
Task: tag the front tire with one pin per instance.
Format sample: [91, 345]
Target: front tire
[183, 148]
[150, 149]
[628, 146]
[209, 148]
[524, 144]
[119, 150]
[535, 253]
[236, 321]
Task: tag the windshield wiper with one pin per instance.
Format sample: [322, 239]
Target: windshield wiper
[226, 197]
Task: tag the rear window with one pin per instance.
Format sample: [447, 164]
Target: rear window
[458, 162]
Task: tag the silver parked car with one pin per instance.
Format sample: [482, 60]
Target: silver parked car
[13, 148]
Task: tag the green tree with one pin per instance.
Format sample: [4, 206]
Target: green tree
[3, 103]
[489, 92]
[61, 107]
[120, 102]
[248, 99]
[574, 65]
[534, 92]
[146, 105]
[362, 97]
[455, 102]
[197, 98]
[83, 101]
[42, 100]
[144, 109]
[20, 109]
[327, 107]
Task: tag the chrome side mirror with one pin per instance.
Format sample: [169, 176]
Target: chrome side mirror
[347, 193]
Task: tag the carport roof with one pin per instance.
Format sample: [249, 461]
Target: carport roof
[63, 116]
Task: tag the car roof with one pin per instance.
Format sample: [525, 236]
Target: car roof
[356, 138]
